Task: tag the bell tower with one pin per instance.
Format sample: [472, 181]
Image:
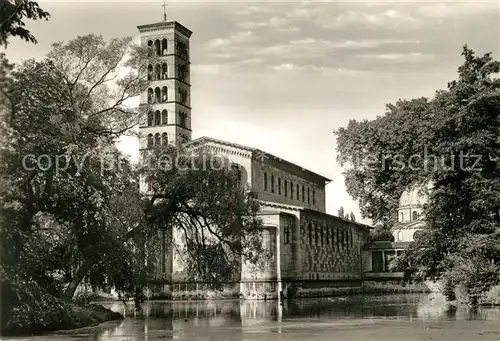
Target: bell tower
[169, 91]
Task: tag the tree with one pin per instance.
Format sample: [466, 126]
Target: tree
[200, 197]
[352, 217]
[341, 212]
[71, 209]
[438, 140]
[374, 154]
[381, 233]
[463, 216]
[64, 120]
[13, 15]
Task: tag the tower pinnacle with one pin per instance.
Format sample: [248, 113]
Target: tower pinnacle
[164, 11]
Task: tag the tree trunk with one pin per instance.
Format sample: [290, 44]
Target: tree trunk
[77, 278]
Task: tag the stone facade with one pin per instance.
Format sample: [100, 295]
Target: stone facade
[309, 247]
[169, 93]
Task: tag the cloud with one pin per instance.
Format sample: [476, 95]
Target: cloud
[389, 18]
[251, 10]
[285, 67]
[277, 23]
[442, 10]
[310, 68]
[405, 57]
[251, 25]
[208, 69]
[218, 42]
[236, 38]
[311, 47]
[250, 61]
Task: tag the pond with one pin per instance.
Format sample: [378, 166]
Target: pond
[374, 317]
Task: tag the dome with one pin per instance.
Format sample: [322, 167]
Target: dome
[415, 196]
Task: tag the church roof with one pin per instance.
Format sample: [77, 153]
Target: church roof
[416, 196]
[331, 216]
[256, 153]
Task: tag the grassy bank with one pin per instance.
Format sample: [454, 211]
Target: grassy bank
[489, 298]
[27, 309]
[369, 288]
[395, 288]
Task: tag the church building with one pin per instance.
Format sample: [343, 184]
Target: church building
[311, 249]
[377, 256]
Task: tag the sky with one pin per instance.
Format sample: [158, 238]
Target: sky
[282, 76]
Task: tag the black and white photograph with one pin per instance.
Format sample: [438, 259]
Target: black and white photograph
[249, 170]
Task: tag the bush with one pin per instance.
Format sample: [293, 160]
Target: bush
[86, 297]
[28, 309]
[491, 297]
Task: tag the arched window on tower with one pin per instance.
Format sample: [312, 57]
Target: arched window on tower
[298, 192]
[291, 189]
[157, 95]
[157, 118]
[150, 72]
[272, 183]
[286, 188]
[415, 215]
[303, 193]
[164, 117]
[164, 139]
[150, 96]
[182, 95]
[314, 197]
[150, 118]
[150, 48]
[150, 140]
[279, 186]
[308, 195]
[182, 119]
[157, 47]
[157, 72]
[164, 94]
[402, 217]
[164, 71]
[164, 48]
[265, 181]
[157, 139]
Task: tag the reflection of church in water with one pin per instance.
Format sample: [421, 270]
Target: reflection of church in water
[237, 319]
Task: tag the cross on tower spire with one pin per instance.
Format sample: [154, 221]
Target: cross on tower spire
[164, 11]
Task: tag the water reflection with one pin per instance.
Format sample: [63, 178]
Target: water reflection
[307, 319]
[194, 320]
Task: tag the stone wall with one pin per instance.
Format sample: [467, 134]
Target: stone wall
[330, 247]
[288, 178]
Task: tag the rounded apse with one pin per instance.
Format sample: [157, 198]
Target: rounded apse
[417, 235]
